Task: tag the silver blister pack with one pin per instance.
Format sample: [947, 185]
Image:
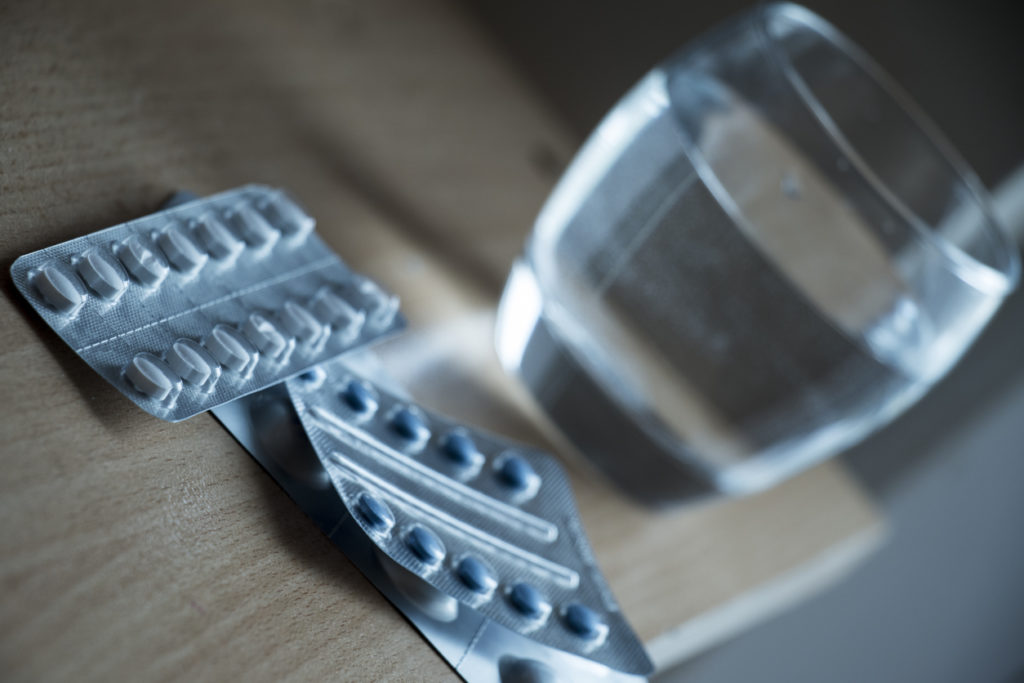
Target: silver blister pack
[189, 308]
[489, 522]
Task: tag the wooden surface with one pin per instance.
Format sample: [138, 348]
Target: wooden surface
[137, 549]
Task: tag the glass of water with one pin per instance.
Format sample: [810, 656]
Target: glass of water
[763, 253]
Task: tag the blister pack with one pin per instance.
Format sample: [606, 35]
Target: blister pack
[486, 521]
[189, 308]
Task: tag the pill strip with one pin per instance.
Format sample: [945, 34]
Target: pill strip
[460, 493]
[195, 306]
[477, 648]
[486, 521]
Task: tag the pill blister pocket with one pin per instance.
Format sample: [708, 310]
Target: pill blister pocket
[487, 521]
[197, 305]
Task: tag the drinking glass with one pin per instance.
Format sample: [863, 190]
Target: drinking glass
[763, 253]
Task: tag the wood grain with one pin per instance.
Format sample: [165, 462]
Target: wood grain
[137, 549]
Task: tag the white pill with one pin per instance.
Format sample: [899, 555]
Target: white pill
[58, 290]
[142, 263]
[101, 275]
[180, 251]
[299, 322]
[336, 312]
[285, 215]
[381, 307]
[146, 374]
[227, 349]
[216, 238]
[188, 362]
[264, 336]
[252, 226]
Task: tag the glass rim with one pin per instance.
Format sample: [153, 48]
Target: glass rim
[998, 277]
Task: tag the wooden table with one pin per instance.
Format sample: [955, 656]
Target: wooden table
[133, 548]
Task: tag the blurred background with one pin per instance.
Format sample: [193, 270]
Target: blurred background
[944, 599]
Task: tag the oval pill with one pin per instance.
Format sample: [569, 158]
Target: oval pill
[284, 215]
[359, 398]
[313, 376]
[100, 275]
[381, 307]
[375, 512]
[425, 545]
[476, 575]
[57, 289]
[409, 425]
[528, 601]
[252, 226]
[299, 322]
[227, 349]
[336, 312]
[516, 473]
[146, 375]
[583, 621]
[264, 335]
[216, 238]
[141, 263]
[188, 362]
[180, 251]
[459, 448]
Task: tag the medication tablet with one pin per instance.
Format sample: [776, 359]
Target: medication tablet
[528, 601]
[100, 275]
[460, 448]
[57, 289]
[252, 226]
[188, 361]
[141, 263]
[476, 575]
[299, 322]
[264, 336]
[380, 306]
[227, 349]
[359, 398]
[425, 545]
[180, 251]
[217, 239]
[584, 622]
[409, 425]
[284, 215]
[375, 513]
[335, 311]
[147, 374]
[516, 473]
